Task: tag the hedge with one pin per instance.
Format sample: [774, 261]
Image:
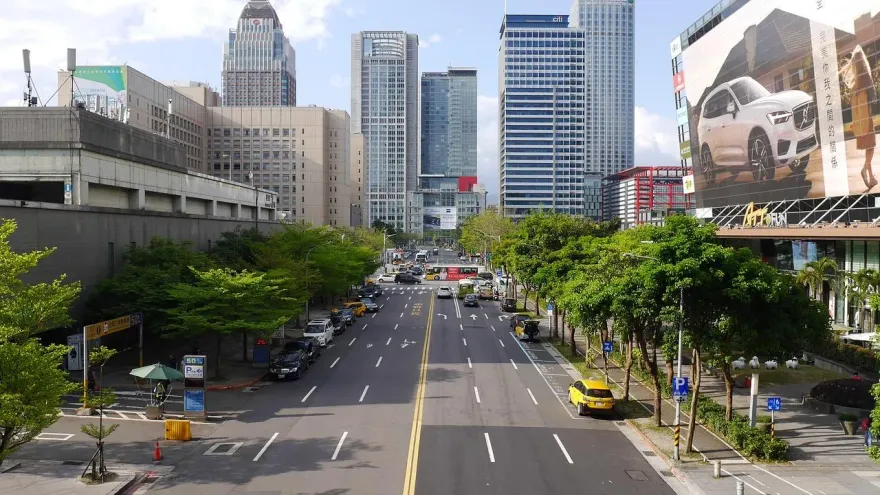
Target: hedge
[853, 355]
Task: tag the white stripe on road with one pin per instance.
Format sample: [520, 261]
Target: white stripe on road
[469, 363]
[532, 396]
[465, 342]
[334, 362]
[487, 316]
[493, 327]
[410, 298]
[365, 326]
[405, 305]
[544, 377]
[352, 341]
[461, 327]
[364, 393]
[310, 392]
[401, 315]
[489, 448]
[142, 416]
[389, 341]
[381, 305]
[477, 394]
[395, 325]
[260, 453]
[379, 361]
[562, 447]
[514, 364]
[502, 342]
[339, 446]
[374, 315]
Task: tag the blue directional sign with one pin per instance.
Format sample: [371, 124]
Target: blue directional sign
[68, 188]
[680, 386]
[774, 403]
[194, 401]
[607, 346]
[550, 307]
[498, 273]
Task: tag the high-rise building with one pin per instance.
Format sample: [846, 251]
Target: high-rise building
[259, 63]
[384, 108]
[448, 175]
[565, 106]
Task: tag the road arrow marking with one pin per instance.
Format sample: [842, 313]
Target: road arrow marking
[369, 345]
[473, 317]
[441, 314]
[500, 318]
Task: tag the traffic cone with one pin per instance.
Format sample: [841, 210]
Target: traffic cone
[157, 453]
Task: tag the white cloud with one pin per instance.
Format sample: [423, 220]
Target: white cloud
[656, 139]
[435, 38]
[487, 145]
[430, 40]
[97, 27]
[338, 81]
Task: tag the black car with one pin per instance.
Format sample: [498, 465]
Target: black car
[290, 364]
[306, 344]
[416, 270]
[371, 291]
[508, 304]
[338, 322]
[486, 276]
[372, 307]
[406, 278]
[471, 300]
[348, 316]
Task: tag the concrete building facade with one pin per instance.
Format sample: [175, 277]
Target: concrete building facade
[356, 177]
[385, 109]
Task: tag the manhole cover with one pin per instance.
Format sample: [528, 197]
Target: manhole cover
[250, 389]
[637, 475]
[73, 463]
[666, 473]
[648, 453]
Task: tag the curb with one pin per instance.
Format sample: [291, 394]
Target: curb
[691, 486]
[235, 386]
[10, 467]
[133, 481]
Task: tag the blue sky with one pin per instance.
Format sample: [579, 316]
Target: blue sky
[183, 40]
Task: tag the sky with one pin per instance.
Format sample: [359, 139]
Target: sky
[182, 40]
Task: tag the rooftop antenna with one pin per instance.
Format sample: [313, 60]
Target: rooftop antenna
[71, 67]
[29, 100]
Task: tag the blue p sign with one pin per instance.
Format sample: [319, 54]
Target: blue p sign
[607, 346]
[680, 385]
[774, 403]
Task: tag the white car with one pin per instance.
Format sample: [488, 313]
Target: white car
[321, 330]
[385, 277]
[744, 126]
[444, 293]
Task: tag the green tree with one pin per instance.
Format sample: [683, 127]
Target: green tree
[31, 387]
[100, 399]
[236, 249]
[223, 301]
[859, 288]
[815, 273]
[28, 309]
[482, 233]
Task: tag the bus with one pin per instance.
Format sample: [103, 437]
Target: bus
[422, 257]
[452, 272]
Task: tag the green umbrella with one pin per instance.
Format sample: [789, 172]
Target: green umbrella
[157, 372]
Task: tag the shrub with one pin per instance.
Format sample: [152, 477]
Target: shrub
[852, 355]
[847, 417]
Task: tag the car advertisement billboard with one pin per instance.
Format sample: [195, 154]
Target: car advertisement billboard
[782, 102]
[440, 218]
[102, 89]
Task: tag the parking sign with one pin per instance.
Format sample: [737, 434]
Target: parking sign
[680, 386]
[774, 403]
[607, 346]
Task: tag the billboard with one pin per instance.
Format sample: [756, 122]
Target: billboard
[102, 89]
[440, 218]
[782, 102]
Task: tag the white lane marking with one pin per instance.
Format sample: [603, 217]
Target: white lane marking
[493, 327]
[352, 341]
[379, 361]
[401, 315]
[477, 394]
[514, 364]
[374, 315]
[532, 396]
[263, 450]
[562, 447]
[410, 298]
[465, 342]
[334, 362]
[457, 309]
[142, 416]
[461, 327]
[364, 393]
[502, 342]
[489, 447]
[487, 316]
[365, 326]
[381, 305]
[56, 436]
[782, 479]
[515, 339]
[122, 414]
[389, 341]
[310, 392]
[405, 305]
[762, 484]
[744, 481]
[339, 446]
[395, 325]
[469, 363]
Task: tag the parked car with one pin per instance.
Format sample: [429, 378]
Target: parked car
[307, 345]
[385, 277]
[322, 330]
[486, 292]
[745, 127]
[348, 316]
[290, 364]
[417, 270]
[371, 306]
[406, 278]
[357, 307]
[509, 305]
[486, 276]
[591, 396]
[518, 319]
[471, 300]
[444, 292]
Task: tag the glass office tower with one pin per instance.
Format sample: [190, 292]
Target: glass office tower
[384, 108]
[259, 63]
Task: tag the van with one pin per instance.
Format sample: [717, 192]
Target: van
[321, 330]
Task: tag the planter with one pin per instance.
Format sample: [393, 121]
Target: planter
[764, 427]
[850, 427]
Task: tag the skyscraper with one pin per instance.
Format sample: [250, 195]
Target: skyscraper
[384, 108]
[566, 106]
[259, 63]
[448, 150]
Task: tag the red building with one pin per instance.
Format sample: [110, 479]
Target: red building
[644, 195]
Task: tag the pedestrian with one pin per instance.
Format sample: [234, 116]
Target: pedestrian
[866, 425]
[159, 392]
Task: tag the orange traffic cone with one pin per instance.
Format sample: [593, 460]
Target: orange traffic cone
[157, 453]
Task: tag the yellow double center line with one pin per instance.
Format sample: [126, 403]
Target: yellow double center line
[412, 461]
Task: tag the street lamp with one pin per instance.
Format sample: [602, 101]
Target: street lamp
[675, 451]
[256, 200]
[385, 237]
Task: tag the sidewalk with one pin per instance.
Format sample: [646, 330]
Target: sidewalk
[50, 477]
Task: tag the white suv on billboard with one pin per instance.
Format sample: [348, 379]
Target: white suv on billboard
[744, 126]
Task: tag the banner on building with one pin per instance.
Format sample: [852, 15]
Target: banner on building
[440, 218]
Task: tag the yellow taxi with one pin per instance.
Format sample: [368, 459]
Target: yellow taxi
[358, 307]
[591, 396]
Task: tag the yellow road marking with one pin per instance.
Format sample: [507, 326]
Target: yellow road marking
[412, 461]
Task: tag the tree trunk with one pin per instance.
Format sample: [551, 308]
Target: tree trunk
[537, 303]
[525, 298]
[556, 323]
[695, 399]
[219, 342]
[629, 363]
[669, 371]
[728, 388]
[244, 346]
[655, 376]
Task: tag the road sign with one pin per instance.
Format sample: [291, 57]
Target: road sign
[194, 371]
[774, 403]
[607, 346]
[498, 273]
[68, 187]
[194, 401]
[680, 387]
[103, 328]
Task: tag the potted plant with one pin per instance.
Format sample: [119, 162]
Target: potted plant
[849, 423]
